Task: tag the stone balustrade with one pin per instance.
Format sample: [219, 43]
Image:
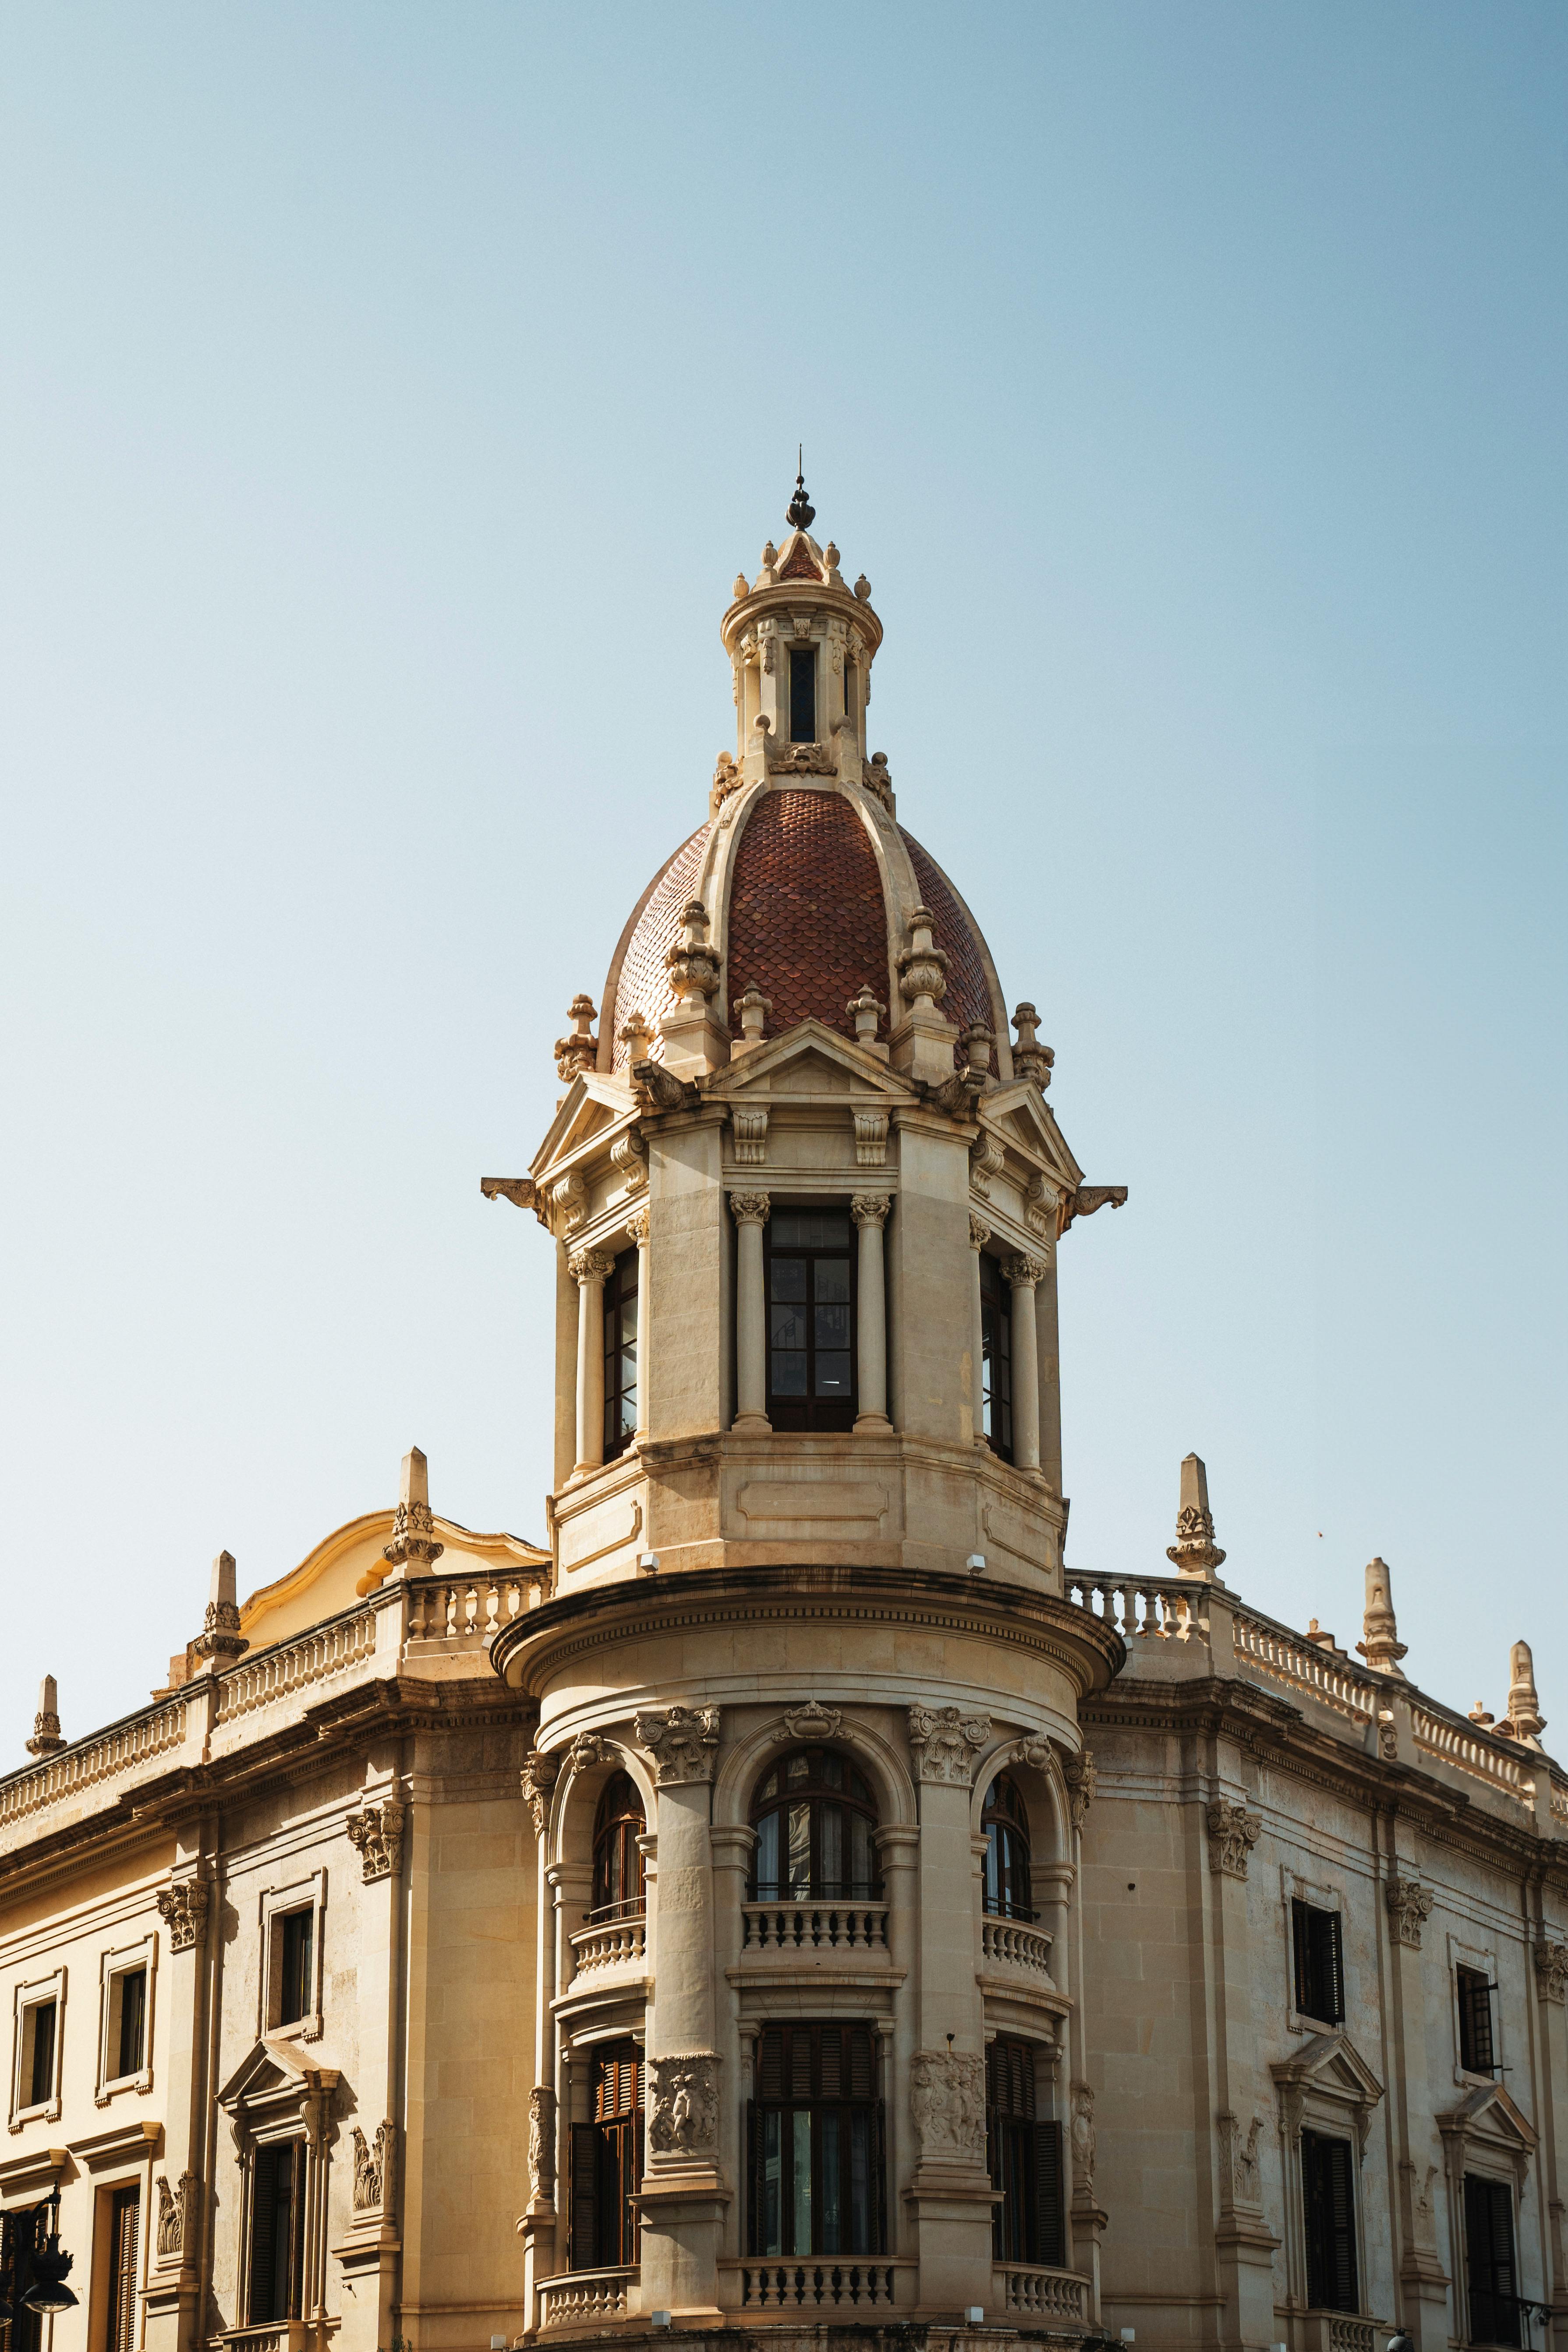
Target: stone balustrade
[613, 1944]
[1165, 1609]
[813, 2285]
[326, 1650]
[818, 1926]
[1041, 2293]
[1469, 1751]
[272, 2335]
[120, 1749]
[582, 2298]
[1015, 1944]
[1302, 1665]
[464, 1613]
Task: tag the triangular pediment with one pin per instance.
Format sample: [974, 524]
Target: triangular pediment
[275, 2065]
[1016, 1113]
[813, 1059]
[1331, 2064]
[1488, 2112]
[593, 1102]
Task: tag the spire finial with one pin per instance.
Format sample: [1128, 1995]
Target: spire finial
[1194, 1551]
[800, 514]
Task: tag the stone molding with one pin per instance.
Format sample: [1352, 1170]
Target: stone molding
[944, 1742]
[683, 2104]
[377, 1833]
[1233, 1833]
[1409, 1904]
[683, 1742]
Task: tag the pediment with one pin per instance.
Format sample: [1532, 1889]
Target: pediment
[1016, 1114]
[1329, 2066]
[593, 1103]
[273, 2068]
[813, 1059]
[1488, 2112]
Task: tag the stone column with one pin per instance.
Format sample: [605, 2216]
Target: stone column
[899, 1846]
[174, 2270]
[870, 1211]
[979, 1234]
[1022, 1274]
[591, 1269]
[637, 1227]
[683, 2193]
[750, 1211]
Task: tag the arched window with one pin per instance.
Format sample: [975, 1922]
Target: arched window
[620, 1883]
[815, 1822]
[1007, 1825]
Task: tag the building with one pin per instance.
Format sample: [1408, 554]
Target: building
[793, 1898]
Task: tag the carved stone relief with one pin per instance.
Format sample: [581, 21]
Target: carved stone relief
[944, 1742]
[1079, 1772]
[1233, 1833]
[1241, 2180]
[183, 1910]
[683, 1742]
[1409, 1904]
[1552, 1971]
[377, 1833]
[1083, 2145]
[811, 1721]
[683, 2105]
[947, 2095]
[373, 2168]
[538, 1776]
[176, 2212]
[542, 2145]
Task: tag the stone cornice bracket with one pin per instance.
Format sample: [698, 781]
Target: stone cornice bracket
[750, 1208]
[811, 1721]
[220, 1638]
[1233, 1833]
[568, 1202]
[376, 1831]
[1090, 1197]
[46, 1739]
[1079, 1772]
[683, 1742]
[870, 1138]
[1409, 1904]
[1031, 1060]
[521, 1190]
[1042, 1208]
[578, 1052]
[1194, 1551]
[1025, 1273]
[751, 1131]
[183, 1908]
[1381, 1647]
[659, 1088]
[987, 1159]
[870, 1208]
[693, 964]
[944, 1742]
[590, 1266]
[414, 1544]
[1552, 1970]
[629, 1154]
[538, 1778]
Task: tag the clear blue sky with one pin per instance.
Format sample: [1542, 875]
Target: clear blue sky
[390, 395]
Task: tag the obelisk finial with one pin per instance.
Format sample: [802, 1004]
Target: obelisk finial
[1194, 1551]
[46, 1739]
[1381, 1645]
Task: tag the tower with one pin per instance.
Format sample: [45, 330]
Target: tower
[807, 1767]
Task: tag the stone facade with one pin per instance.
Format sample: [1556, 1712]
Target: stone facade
[792, 1898]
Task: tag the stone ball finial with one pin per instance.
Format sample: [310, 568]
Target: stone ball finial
[863, 589]
[742, 587]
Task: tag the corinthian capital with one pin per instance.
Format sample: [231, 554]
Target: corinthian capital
[750, 1208]
[869, 1209]
[1024, 1272]
[590, 1266]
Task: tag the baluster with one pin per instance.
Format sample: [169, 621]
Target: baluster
[492, 1608]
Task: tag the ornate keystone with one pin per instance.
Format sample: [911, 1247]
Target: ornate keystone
[683, 1742]
[870, 1138]
[1381, 1647]
[1194, 1551]
[46, 1739]
[947, 2099]
[944, 1742]
[588, 1751]
[812, 1721]
[220, 1638]
[580, 1050]
[414, 1544]
[1233, 1833]
[183, 1908]
[377, 1832]
[683, 2103]
[1409, 1903]
[538, 1776]
[1031, 1060]
[751, 1130]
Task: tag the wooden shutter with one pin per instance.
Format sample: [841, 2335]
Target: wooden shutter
[1333, 1975]
[583, 2253]
[753, 2179]
[1050, 2219]
[880, 2179]
[1489, 2262]
[125, 2231]
[1328, 2185]
[1302, 1951]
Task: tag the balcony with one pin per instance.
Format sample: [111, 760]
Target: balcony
[806, 1924]
[270, 2336]
[584, 2297]
[613, 1947]
[1041, 2293]
[1012, 1945]
[818, 2283]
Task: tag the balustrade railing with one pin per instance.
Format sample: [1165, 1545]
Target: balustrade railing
[815, 2285]
[585, 2296]
[1163, 1609]
[1347, 2335]
[273, 2336]
[123, 1745]
[1011, 1944]
[1304, 1666]
[1044, 2295]
[819, 1927]
[466, 1610]
[326, 1650]
[617, 1943]
[1470, 1753]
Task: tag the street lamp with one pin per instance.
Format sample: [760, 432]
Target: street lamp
[32, 2267]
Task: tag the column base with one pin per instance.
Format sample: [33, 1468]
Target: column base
[877, 1423]
[751, 1424]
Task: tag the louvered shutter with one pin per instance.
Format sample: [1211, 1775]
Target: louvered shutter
[583, 2250]
[1050, 2219]
[880, 2179]
[1301, 1947]
[126, 2230]
[1333, 1969]
[1341, 2211]
[753, 2179]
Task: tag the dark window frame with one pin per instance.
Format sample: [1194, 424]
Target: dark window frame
[620, 1296]
[818, 2093]
[276, 2270]
[1317, 1957]
[997, 1357]
[43, 2051]
[296, 1932]
[1492, 2269]
[1473, 1990]
[131, 2023]
[1008, 1884]
[809, 1413]
[1328, 2222]
[805, 689]
[1024, 2160]
[778, 1793]
[606, 2162]
[620, 1866]
[124, 2245]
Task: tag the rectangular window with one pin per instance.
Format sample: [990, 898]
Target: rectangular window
[1477, 2051]
[1024, 2156]
[128, 2027]
[1489, 2262]
[811, 1319]
[815, 2142]
[298, 1977]
[997, 1350]
[1319, 1974]
[125, 2228]
[621, 1354]
[803, 694]
[277, 2232]
[606, 2163]
[1328, 2201]
[39, 2025]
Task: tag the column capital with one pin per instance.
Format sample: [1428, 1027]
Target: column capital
[870, 1208]
[1024, 1272]
[590, 1266]
[979, 1231]
[639, 1226]
[750, 1208]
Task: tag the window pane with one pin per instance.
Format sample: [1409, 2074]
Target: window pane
[799, 1849]
[789, 1277]
[862, 1866]
[801, 2184]
[629, 1322]
[859, 2217]
[830, 2242]
[789, 1375]
[830, 1831]
[788, 1325]
[811, 1229]
[772, 2166]
[832, 1327]
[832, 1279]
[832, 1375]
[768, 1857]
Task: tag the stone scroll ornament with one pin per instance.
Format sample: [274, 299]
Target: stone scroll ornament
[377, 1832]
[684, 1744]
[1409, 1904]
[176, 2211]
[812, 1721]
[183, 1910]
[541, 2144]
[683, 2094]
[538, 1778]
[947, 2095]
[1233, 1833]
[944, 1742]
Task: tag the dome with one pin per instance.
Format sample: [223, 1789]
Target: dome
[808, 888]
